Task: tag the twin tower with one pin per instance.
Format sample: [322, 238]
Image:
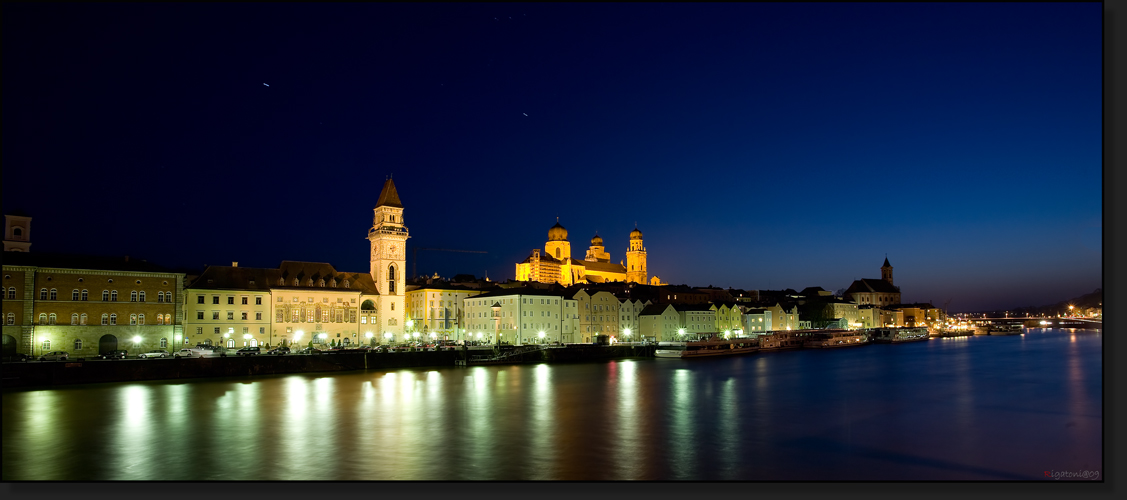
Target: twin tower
[555, 265]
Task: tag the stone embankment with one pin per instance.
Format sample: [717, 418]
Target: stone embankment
[76, 371]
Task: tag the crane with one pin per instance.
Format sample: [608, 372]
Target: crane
[415, 256]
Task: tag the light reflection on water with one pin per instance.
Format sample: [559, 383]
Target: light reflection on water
[977, 408]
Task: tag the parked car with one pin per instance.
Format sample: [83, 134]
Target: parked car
[189, 353]
[19, 356]
[115, 354]
[249, 351]
[310, 350]
[279, 351]
[55, 356]
[155, 353]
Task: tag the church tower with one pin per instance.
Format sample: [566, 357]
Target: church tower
[886, 271]
[636, 259]
[558, 246]
[389, 259]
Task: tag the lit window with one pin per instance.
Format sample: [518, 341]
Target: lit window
[132, 319]
[74, 318]
[105, 319]
[82, 319]
[133, 296]
[140, 319]
[163, 343]
[113, 318]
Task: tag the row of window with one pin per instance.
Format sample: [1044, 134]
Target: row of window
[80, 319]
[230, 299]
[231, 330]
[78, 344]
[230, 315]
[107, 295]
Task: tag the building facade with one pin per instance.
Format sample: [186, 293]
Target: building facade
[436, 311]
[555, 264]
[88, 305]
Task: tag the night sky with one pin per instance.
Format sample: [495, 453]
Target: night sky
[759, 146]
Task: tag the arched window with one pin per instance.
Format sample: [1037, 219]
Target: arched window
[230, 343]
[160, 297]
[54, 294]
[317, 312]
[78, 344]
[11, 292]
[74, 294]
[74, 318]
[141, 296]
[47, 345]
[113, 296]
[113, 318]
[254, 342]
[51, 319]
[132, 319]
[82, 319]
[11, 318]
[85, 294]
[133, 296]
[391, 279]
[43, 318]
[105, 295]
[140, 319]
[163, 343]
[17, 232]
[42, 294]
[105, 319]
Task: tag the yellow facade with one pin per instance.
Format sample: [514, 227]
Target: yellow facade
[555, 264]
[438, 312]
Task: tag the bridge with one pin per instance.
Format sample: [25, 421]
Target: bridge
[1077, 323]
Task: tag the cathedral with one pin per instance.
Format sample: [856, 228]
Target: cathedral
[555, 265]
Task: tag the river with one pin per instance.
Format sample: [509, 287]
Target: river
[974, 408]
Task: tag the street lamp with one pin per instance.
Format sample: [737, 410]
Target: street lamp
[541, 336]
[370, 341]
[681, 333]
[323, 336]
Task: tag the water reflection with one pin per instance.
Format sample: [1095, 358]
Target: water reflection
[975, 408]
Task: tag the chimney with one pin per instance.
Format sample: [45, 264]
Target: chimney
[234, 264]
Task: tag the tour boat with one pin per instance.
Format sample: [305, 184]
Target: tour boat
[836, 338]
[706, 348]
[1012, 329]
[898, 335]
[787, 339]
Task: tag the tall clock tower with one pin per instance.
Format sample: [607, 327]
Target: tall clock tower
[389, 236]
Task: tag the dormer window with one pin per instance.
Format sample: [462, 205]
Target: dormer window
[321, 283]
[281, 281]
[296, 282]
[346, 283]
[333, 283]
[309, 282]
[252, 282]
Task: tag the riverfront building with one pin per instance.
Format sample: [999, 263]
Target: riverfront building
[437, 310]
[520, 315]
[873, 291]
[298, 302]
[87, 305]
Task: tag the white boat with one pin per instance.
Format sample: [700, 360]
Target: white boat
[706, 348]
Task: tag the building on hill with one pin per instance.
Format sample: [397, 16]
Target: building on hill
[555, 264]
[88, 305]
[880, 292]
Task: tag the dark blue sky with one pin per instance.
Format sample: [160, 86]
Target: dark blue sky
[755, 145]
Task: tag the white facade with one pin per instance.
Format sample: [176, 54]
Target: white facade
[519, 318]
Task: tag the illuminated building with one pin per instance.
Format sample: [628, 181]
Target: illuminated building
[555, 265]
[388, 237]
[88, 305]
[598, 314]
[873, 291]
[438, 309]
[518, 315]
[296, 303]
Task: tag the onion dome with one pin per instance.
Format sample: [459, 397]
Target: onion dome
[557, 233]
[597, 241]
[635, 234]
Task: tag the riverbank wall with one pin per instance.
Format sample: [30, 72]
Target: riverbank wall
[47, 374]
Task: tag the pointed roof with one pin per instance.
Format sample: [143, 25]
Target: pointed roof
[389, 197]
[886, 264]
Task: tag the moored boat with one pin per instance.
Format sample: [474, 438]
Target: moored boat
[1011, 329]
[898, 335]
[837, 338]
[706, 348]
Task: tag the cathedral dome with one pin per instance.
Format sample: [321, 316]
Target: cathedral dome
[597, 241]
[557, 233]
[635, 234]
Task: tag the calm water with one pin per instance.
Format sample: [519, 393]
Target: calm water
[1005, 408]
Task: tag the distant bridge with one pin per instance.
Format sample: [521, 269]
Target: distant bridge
[1077, 323]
